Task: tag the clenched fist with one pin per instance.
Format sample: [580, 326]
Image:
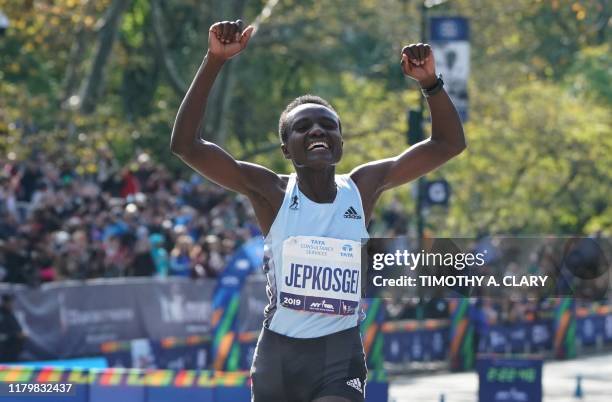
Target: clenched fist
[226, 39]
[418, 64]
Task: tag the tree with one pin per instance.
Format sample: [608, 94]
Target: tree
[538, 138]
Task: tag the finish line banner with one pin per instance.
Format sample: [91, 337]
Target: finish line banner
[72, 319]
[493, 267]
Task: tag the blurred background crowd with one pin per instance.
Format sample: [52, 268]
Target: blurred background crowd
[134, 220]
[61, 222]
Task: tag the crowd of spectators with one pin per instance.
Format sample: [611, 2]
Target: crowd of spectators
[119, 220]
[134, 219]
[59, 221]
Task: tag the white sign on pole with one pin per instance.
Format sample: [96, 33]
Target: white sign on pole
[449, 38]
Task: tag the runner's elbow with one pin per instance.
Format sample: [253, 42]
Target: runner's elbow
[454, 148]
[458, 148]
[176, 149]
[179, 148]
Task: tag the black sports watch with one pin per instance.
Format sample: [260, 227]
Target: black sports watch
[431, 91]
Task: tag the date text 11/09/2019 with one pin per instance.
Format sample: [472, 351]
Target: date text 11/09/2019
[450, 281]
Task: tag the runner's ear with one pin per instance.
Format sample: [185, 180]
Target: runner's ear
[285, 151]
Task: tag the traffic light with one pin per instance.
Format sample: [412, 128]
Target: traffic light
[415, 126]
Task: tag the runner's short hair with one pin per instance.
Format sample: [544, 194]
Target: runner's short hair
[283, 124]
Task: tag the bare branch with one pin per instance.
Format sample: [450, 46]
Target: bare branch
[107, 36]
[77, 51]
[264, 14]
[176, 81]
[226, 87]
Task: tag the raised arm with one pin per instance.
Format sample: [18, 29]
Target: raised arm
[446, 141]
[225, 40]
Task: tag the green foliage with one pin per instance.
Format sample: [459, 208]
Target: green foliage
[591, 74]
[536, 159]
[539, 135]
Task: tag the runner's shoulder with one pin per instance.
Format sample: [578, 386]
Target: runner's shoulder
[284, 181]
[264, 184]
[260, 178]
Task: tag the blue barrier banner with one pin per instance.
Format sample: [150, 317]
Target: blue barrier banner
[238, 394]
[185, 357]
[253, 300]
[541, 336]
[519, 338]
[165, 394]
[417, 346]
[377, 392]
[608, 328]
[503, 380]
[393, 347]
[192, 353]
[100, 393]
[119, 359]
[401, 346]
[589, 328]
[247, 350]
[439, 343]
[497, 339]
[67, 319]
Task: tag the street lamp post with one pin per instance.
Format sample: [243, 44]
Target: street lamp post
[415, 127]
[415, 135]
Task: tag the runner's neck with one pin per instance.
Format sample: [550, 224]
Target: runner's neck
[318, 185]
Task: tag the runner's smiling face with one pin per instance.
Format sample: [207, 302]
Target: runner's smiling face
[314, 138]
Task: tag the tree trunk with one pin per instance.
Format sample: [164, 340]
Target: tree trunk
[77, 52]
[176, 81]
[218, 129]
[221, 97]
[107, 35]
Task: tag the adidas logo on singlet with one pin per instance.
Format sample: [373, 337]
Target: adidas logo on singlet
[351, 213]
[355, 383]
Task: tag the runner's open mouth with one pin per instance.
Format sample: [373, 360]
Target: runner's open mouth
[317, 145]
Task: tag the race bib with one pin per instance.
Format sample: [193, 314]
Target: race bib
[321, 275]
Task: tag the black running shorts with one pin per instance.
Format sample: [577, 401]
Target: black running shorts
[289, 369]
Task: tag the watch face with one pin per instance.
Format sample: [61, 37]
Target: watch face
[437, 192]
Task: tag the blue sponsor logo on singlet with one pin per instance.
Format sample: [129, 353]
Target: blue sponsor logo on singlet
[347, 251]
[322, 306]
